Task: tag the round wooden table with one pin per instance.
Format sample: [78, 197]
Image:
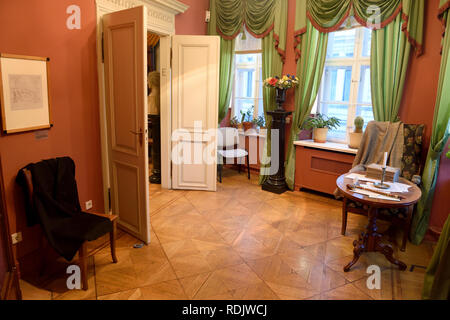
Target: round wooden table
[370, 239]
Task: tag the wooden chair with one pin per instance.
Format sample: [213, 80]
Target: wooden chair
[227, 145]
[411, 159]
[83, 255]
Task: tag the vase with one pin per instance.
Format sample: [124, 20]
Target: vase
[280, 97]
[320, 135]
[354, 139]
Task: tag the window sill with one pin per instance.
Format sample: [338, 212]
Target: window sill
[252, 133]
[330, 146]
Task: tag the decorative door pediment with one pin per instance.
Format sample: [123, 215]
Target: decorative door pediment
[160, 13]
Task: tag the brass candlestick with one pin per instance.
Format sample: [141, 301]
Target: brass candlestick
[382, 185]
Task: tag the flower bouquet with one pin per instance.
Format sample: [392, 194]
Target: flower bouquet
[285, 82]
[281, 85]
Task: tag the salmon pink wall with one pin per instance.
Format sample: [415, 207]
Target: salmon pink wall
[38, 28]
[192, 22]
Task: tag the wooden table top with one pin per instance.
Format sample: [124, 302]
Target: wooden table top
[410, 197]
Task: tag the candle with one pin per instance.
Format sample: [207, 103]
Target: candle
[385, 159]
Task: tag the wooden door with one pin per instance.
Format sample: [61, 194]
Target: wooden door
[125, 63]
[195, 92]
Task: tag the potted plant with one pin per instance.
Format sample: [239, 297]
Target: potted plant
[260, 122]
[234, 122]
[247, 118]
[356, 136]
[320, 124]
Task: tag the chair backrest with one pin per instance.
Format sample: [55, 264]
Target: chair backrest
[227, 138]
[412, 150]
[29, 183]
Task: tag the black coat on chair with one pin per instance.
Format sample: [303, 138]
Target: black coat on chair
[53, 202]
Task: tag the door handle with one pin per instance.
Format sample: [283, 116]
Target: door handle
[141, 135]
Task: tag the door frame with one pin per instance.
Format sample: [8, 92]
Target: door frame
[161, 21]
[9, 285]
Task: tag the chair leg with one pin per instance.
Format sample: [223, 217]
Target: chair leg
[407, 228]
[83, 265]
[248, 167]
[239, 166]
[112, 240]
[344, 216]
[220, 172]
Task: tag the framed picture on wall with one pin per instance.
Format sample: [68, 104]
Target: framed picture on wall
[24, 93]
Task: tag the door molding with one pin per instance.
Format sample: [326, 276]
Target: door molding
[10, 289]
[160, 20]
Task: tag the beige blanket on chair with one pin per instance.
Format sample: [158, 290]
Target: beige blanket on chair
[380, 137]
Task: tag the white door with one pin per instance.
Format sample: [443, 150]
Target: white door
[125, 63]
[195, 96]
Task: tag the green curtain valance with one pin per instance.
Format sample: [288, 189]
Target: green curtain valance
[257, 15]
[329, 15]
[260, 17]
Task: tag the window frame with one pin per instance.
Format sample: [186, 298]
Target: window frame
[258, 75]
[356, 63]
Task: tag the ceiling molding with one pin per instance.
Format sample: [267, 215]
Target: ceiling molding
[176, 6]
[173, 6]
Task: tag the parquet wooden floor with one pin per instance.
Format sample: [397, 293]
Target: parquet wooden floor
[242, 243]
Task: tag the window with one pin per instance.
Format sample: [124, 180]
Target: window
[345, 89]
[247, 91]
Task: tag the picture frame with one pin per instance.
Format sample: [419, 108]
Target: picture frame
[24, 93]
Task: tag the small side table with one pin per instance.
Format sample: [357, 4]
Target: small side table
[370, 239]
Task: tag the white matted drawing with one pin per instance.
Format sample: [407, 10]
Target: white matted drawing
[24, 93]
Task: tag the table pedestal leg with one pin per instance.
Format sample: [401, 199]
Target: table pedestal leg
[370, 241]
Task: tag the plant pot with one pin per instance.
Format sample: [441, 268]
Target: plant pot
[247, 125]
[240, 126]
[354, 140]
[320, 135]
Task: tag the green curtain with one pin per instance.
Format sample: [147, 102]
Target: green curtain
[436, 284]
[397, 25]
[388, 64]
[309, 70]
[437, 276]
[226, 68]
[389, 60]
[273, 57]
[266, 19]
[438, 141]
[328, 15]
